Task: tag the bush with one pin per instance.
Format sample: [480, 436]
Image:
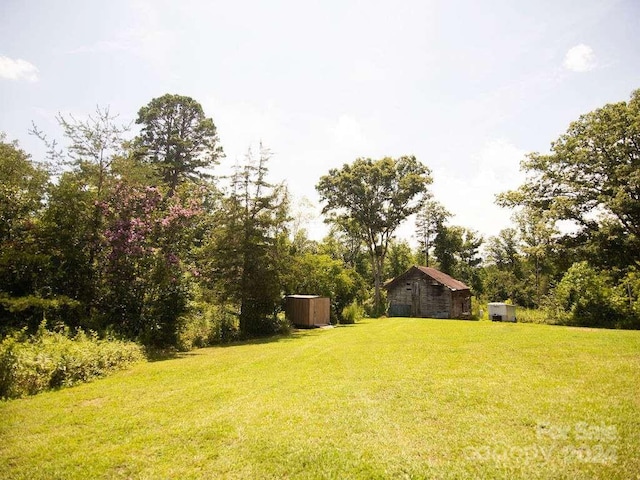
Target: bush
[352, 314]
[583, 297]
[31, 364]
[529, 315]
[207, 324]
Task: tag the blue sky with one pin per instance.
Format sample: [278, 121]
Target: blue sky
[468, 87]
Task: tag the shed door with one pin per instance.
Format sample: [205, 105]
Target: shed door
[415, 299]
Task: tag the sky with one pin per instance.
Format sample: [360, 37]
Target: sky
[468, 87]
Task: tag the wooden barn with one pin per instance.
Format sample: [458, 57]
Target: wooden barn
[427, 292]
[308, 310]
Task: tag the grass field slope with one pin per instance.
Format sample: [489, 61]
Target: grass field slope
[387, 398]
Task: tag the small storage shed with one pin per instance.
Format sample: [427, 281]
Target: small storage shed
[502, 312]
[308, 310]
[427, 292]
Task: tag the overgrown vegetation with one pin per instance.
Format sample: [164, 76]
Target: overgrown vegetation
[30, 364]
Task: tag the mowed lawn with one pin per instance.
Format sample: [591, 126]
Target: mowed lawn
[387, 398]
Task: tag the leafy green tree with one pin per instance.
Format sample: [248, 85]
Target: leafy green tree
[72, 239]
[319, 274]
[178, 139]
[447, 246]
[469, 260]
[508, 275]
[591, 178]
[22, 189]
[22, 263]
[73, 223]
[246, 259]
[538, 244]
[375, 197]
[429, 220]
[400, 258]
[584, 297]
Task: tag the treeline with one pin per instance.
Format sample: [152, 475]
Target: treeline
[574, 250]
[140, 238]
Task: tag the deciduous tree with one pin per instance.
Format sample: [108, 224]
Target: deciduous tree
[591, 177]
[376, 196]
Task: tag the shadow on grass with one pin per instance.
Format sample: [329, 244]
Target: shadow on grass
[293, 335]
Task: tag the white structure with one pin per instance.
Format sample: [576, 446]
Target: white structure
[502, 312]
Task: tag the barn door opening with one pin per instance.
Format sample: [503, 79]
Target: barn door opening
[415, 299]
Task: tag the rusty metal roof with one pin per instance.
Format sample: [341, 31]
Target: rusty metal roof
[440, 277]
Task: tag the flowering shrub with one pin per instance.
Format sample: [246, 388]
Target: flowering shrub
[147, 271]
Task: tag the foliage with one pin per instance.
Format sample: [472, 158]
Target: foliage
[583, 297]
[245, 261]
[352, 313]
[591, 178]
[400, 259]
[30, 310]
[530, 315]
[457, 252]
[31, 364]
[319, 274]
[147, 239]
[205, 324]
[21, 191]
[177, 138]
[429, 221]
[372, 198]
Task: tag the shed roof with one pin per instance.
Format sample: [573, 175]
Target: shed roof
[440, 277]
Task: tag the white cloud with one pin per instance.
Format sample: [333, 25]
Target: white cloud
[18, 69]
[580, 59]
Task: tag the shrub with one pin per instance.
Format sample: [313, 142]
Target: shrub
[583, 298]
[207, 324]
[31, 364]
[352, 313]
[529, 315]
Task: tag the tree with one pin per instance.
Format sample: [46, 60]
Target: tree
[319, 274]
[376, 196]
[245, 260]
[22, 263]
[400, 257]
[506, 275]
[22, 189]
[447, 246]
[429, 220]
[538, 236]
[584, 297]
[470, 260]
[177, 138]
[591, 177]
[73, 221]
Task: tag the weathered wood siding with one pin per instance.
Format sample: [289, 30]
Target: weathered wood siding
[460, 304]
[421, 296]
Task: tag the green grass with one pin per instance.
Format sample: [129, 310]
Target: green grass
[388, 398]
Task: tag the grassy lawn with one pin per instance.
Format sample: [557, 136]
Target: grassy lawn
[388, 398]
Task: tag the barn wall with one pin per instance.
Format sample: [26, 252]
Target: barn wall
[460, 304]
[420, 296]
